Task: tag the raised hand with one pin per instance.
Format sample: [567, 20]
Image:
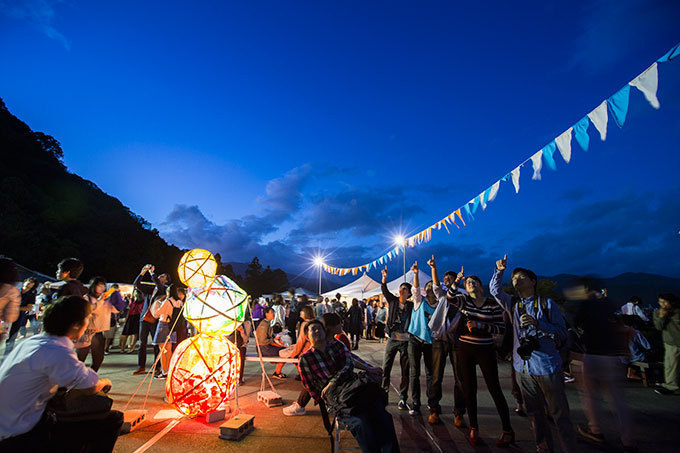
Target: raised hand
[384, 274]
[461, 274]
[431, 262]
[414, 268]
[501, 265]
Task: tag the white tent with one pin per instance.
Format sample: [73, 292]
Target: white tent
[301, 291]
[393, 286]
[357, 289]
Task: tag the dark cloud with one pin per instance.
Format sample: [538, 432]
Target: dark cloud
[284, 195]
[358, 211]
[635, 232]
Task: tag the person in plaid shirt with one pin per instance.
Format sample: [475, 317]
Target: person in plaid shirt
[328, 363]
[324, 363]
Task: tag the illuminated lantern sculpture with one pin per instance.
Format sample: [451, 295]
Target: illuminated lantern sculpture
[204, 370]
[217, 308]
[197, 267]
[203, 373]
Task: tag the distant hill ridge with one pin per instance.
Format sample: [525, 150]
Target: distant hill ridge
[49, 214]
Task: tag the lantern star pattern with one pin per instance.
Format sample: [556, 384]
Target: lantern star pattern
[197, 268]
[217, 308]
[204, 369]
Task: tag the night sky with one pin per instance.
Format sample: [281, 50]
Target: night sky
[284, 129]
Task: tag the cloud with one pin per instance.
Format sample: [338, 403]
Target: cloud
[356, 211]
[284, 195]
[634, 232]
[40, 13]
[308, 216]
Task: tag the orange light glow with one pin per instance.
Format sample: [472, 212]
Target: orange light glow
[203, 373]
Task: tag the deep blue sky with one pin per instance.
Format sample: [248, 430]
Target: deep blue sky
[278, 128]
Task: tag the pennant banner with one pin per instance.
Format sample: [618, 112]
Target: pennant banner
[616, 105]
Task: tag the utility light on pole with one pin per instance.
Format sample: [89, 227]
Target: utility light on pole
[318, 262]
[400, 241]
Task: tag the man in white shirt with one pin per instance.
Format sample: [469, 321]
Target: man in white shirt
[32, 373]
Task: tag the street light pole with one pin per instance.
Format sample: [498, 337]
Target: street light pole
[318, 261]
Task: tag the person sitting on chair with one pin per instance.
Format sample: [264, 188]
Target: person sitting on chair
[327, 373]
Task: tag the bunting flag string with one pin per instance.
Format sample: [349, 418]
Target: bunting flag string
[616, 105]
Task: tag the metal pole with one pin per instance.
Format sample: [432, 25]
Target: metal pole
[404, 261]
[319, 280]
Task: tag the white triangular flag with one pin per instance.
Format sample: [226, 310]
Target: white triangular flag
[564, 144]
[481, 201]
[494, 190]
[648, 82]
[599, 119]
[515, 179]
[537, 161]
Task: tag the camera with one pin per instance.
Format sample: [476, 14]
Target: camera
[527, 345]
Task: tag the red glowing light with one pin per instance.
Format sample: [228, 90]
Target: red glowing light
[203, 373]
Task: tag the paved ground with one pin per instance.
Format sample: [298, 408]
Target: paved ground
[657, 417]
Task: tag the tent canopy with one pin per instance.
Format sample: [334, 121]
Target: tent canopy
[393, 286]
[357, 289]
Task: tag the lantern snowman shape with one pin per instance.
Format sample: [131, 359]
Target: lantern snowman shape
[204, 369]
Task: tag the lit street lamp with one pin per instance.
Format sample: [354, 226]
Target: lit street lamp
[318, 261]
[400, 241]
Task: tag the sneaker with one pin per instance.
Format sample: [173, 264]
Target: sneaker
[160, 376]
[402, 405]
[568, 379]
[139, 371]
[294, 409]
[279, 376]
[415, 410]
[584, 431]
[661, 390]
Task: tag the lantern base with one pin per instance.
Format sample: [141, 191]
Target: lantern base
[132, 419]
[216, 416]
[269, 398]
[237, 428]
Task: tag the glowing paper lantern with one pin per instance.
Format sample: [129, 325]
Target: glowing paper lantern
[217, 308]
[203, 374]
[197, 268]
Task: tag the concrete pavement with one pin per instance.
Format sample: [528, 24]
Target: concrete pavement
[657, 418]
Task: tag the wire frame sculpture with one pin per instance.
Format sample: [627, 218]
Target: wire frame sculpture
[197, 268]
[203, 374]
[217, 308]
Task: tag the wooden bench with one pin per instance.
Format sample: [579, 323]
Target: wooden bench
[256, 358]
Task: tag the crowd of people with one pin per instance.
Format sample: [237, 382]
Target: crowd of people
[454, 319]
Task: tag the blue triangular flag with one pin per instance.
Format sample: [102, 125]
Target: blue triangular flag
[475, 204]
[581, 133]
[506, 177]
[618, 105]
[548, 152]
[674, 52]
[469, 213]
